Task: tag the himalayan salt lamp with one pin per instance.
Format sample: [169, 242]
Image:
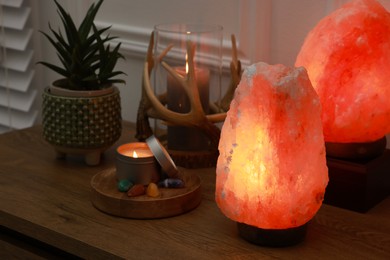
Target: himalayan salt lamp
[347, 57]
[271, 171]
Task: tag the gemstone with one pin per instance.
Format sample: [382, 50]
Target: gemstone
[171, 183]
[124, 185]
[136, 190]
[152, 190]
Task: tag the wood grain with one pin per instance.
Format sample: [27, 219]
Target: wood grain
[49, 200]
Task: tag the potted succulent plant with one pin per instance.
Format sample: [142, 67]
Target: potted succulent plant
[81, 111]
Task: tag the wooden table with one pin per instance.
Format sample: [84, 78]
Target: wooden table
[45, 210]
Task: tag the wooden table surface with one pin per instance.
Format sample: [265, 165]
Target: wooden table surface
[48, 200]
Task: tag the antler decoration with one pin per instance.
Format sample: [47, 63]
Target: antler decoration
[154, 107]
[143, 127]
[235, 70]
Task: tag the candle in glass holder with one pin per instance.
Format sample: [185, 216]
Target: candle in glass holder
[136, 163]
[174, 43]
[180, 137]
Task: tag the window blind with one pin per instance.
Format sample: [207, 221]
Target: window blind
[16, 69]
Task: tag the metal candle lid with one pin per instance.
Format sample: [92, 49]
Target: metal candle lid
[162, 156]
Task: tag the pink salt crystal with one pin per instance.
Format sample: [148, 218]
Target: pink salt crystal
[271, 172]
[347, 56]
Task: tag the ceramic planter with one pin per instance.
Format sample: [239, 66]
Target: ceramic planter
[86, 125]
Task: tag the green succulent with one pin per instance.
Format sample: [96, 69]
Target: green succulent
[87, 60]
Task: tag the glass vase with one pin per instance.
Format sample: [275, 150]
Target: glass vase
[206, 41]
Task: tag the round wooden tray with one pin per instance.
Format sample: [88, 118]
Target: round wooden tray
[106, 197]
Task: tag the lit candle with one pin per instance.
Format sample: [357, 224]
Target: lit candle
[135, 162]
[135, 152]
[186, 138]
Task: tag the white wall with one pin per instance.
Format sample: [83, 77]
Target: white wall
[266, 30]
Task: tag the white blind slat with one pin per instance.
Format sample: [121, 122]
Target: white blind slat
[18, 60]
[18, 100]
[16, 40]
[19, 81]
[15, 18]
[12, 3]
[19, 119]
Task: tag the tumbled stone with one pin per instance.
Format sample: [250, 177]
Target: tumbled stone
[124, 185]
[171, 183]
[271, 171]
[136, 190]
[347, 56]
[152, 190]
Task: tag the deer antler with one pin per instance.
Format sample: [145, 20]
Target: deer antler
[143, 127]
[235, 70]
[196, 116]
[152, 106]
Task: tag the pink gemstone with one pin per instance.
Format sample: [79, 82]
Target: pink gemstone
[347, 56]
[271, 172]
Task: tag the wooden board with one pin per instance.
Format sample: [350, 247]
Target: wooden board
[106, 197]
[358, 186]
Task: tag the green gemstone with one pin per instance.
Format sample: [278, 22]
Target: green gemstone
[124, 185]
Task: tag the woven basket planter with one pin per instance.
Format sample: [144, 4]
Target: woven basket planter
[82, 125]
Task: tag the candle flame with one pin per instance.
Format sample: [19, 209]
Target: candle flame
[188, 33]
[186, 63]
[135, 155]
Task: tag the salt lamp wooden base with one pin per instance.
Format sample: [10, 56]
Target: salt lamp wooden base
[357, 151]
[358, 185]
[272, 237]
[106, 197]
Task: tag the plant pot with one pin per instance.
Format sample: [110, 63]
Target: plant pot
[82, 123]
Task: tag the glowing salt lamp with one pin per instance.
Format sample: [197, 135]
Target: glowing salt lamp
[347, 57]
[271, 171]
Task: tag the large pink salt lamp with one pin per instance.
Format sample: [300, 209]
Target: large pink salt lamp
[347, 57]
[271, 171]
